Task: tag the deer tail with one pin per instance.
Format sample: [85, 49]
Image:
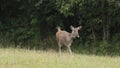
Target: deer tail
[58, 28]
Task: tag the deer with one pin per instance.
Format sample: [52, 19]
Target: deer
[66, 38]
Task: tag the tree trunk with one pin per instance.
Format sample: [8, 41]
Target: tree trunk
[94, 37]
[107, 28]
[104, 20]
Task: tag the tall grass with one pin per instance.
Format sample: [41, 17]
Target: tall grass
[24, 58]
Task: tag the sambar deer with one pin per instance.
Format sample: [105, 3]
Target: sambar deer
[66, 38]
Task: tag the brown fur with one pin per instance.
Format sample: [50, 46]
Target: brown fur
[66, 38]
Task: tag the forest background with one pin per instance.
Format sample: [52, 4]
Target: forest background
[32, 24]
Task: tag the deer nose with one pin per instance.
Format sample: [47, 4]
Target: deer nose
[78, 36]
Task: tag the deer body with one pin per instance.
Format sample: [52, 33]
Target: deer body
[63, 38]
[66, 38]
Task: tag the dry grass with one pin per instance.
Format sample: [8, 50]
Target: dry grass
[23, 58]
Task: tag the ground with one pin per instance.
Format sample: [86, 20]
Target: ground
[25, 58]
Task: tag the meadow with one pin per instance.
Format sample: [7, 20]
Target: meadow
[25, 58]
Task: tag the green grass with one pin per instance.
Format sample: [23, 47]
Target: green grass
[23, 58]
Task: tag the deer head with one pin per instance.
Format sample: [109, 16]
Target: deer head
[75, 30]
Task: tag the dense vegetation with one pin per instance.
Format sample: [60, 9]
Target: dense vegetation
[32, 23]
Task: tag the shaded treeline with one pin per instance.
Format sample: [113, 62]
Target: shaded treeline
[32, 23]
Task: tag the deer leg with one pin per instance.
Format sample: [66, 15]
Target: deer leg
[69, 50]
[59, 49]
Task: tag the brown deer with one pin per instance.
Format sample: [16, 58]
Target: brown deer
[66, 38]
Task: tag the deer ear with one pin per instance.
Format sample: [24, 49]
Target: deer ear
[71, 27]
[79, 27]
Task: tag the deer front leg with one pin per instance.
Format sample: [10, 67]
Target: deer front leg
[69, 50]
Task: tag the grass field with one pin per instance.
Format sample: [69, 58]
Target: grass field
[23, 58]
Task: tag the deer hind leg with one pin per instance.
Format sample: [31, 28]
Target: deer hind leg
[59, 45]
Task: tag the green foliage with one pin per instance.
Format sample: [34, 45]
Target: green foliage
[34, 21]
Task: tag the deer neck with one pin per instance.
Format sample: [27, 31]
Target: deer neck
[72, 35]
